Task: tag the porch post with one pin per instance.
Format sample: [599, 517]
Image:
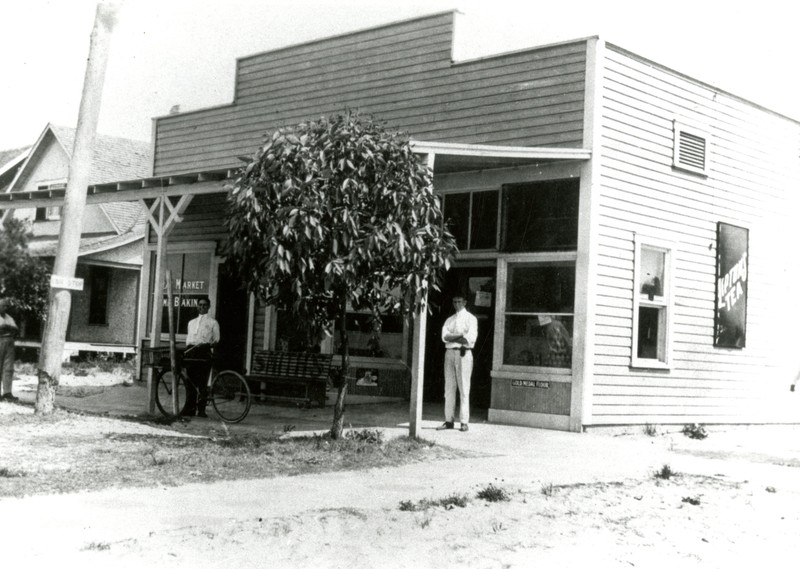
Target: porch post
[417, 371]
[158, 303]
[418, 355]
[162, 225]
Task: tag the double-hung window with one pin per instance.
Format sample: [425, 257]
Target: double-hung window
[652, 302]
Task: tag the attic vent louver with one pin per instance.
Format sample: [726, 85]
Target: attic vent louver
[690, 150]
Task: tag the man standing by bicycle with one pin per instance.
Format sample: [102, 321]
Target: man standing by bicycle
[201, 341]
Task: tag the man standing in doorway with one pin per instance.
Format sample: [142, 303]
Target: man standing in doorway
[8, 331]
[458, 334]
[201, 341]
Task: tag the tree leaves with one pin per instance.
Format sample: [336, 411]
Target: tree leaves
[334, 211]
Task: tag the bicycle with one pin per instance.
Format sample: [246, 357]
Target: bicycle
[228, 391]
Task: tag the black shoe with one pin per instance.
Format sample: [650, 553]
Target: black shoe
[202, 413]
[10, 398]
[464, 427]
[445, 425]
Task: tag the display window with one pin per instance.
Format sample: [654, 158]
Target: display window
[539, 314]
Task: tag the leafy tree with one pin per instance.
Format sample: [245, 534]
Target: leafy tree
[337, 214]
[24, 279]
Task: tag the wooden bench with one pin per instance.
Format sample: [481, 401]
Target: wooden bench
[291, 376]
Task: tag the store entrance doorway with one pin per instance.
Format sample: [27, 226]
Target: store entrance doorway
[478, 284]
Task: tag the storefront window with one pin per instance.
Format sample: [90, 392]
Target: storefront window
[472, 219]
[190, 280]
[540, 299]
[366, 336]
[372, 338]
[541, 216]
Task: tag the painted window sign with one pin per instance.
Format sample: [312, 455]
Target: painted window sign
[730, 322]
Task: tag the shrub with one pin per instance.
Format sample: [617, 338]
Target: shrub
[493, 494]
[695, 431]
[665, 473]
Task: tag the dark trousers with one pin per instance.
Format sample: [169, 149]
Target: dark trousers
[197, 369]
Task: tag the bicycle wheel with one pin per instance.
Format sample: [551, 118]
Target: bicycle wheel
[230, 396]
[164, 393]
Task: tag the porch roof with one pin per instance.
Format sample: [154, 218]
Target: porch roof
[449, 158]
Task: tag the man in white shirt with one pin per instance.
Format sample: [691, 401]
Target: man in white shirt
[8, 331]
[201, 340]
[458, 334]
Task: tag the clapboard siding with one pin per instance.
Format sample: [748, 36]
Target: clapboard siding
[401, 73]
[753, 170]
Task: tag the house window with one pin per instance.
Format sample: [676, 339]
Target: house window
[99, 281]
[52, 213]
[690, 149]
[539, 314]
[472, 219]
[540, 216]
[651, 304]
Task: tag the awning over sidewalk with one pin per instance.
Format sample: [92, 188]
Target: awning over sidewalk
[450, 157]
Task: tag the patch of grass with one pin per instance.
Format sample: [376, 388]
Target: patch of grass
[665, 473]
[493, 494]
[548, 489]
[693, 500]
[694, 431]
[61, 453]
[371, 436]
[288, 428]
[97, 546]
[448, 503]
[650, 430]
[6, 472]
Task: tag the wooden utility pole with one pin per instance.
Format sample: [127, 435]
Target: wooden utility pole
[80, 165]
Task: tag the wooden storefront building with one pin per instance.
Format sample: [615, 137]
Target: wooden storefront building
[625, 231]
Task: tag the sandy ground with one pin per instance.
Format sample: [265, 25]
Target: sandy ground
[574, 499]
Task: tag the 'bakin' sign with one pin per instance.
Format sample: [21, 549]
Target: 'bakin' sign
[730, 320]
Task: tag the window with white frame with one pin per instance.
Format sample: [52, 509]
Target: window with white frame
[652, 301]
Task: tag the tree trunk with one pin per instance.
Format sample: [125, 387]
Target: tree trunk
[338, 408]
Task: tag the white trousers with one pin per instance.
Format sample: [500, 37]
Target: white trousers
[457, 374]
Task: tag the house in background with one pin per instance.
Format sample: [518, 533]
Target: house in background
[103, 316]
[10, 163]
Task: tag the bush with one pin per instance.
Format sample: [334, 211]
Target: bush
[493, 494]
[695, 431]
[665, 473]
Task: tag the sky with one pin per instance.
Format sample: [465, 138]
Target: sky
[183, 52]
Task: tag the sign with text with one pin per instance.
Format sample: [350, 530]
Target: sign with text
[530, 383]
[69, 283]
[730, 317]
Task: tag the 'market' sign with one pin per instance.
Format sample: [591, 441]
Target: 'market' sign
[730, 321]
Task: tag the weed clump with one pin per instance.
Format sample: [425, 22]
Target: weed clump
[665, 473]
[493, 494]
[650, 430]
[448, 503]
[694, 431]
